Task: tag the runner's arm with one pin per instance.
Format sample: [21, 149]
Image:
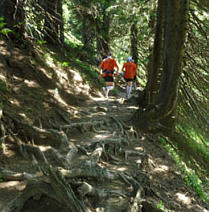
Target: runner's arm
[123, 68]
[100, 70]
[117, 70]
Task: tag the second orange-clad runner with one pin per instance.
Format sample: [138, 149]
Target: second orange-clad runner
[130, 69]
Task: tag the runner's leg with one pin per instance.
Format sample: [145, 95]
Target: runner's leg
[128, 89]
[109, 86]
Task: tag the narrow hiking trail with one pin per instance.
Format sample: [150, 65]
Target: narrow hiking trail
[66, 148]
[106, 165]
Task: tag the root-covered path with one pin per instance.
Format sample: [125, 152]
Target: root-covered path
[96, 162]
[63, 150]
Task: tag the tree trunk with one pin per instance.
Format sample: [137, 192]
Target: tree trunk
[53, 21]
[164, 107]
[60, 21]
[2, 7]
[134, 42]
[103, 35]
[88, 31]
[175, 28]
[154, 72]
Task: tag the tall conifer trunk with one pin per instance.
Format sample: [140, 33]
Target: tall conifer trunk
[175, 28]
[102, 29]
[163, 107]
[154, 72]
[134, 42]
[60, 21]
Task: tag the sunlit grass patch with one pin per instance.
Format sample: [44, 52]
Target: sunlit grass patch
[88, 72]
[189, 175]
[195, 140]
[192, 133]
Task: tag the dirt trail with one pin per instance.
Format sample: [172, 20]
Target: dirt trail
[128, 168]
[64, 151]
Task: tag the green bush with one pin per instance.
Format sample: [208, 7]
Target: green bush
[3, 30]
[3, 86]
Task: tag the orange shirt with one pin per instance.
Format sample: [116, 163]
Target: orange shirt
[108, 64]
[130, 70]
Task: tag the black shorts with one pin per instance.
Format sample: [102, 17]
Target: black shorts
[108, 79]
[128, 80]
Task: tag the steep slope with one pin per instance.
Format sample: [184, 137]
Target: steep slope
[65, 147]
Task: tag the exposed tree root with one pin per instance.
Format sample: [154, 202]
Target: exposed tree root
[136, 206]
[73, 185]
[10, 175]
[56, 190]
[83, 126]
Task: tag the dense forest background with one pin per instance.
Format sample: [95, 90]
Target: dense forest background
[169, 40]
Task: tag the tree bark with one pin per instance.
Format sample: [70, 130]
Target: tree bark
[60, 21]
[164, 102]
[175, 29]
[134, 42]
[53, 21]
[102, 29]
[154, 72]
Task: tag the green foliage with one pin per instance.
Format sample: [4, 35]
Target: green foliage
[49, 58]
[141, 80]
[190, 177]
[65, 64]
[195, 139]
[3, 86]
[3, 30]
[72, 41]
[88, 72]
[72, 25]
[41, 42]
[161, 206]
[2, 24]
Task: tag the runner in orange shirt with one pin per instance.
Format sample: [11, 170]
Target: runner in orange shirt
[106, 70]
[130, 72]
